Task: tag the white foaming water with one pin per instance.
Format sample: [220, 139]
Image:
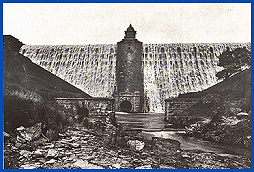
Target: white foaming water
[169, 69]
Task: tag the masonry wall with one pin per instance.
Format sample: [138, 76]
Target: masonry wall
[96, 106]
[169, 69]
[88, 67]
[177, 105]
[129, 66]
[173, 69]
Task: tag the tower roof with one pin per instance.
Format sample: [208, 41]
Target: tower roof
[130, 33]
[130, 29]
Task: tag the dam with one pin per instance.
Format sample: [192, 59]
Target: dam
[138, 76]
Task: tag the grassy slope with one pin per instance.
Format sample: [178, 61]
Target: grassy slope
[29, 93]
[234, 93]
[20, 73]
[237, 84]
[221, 103]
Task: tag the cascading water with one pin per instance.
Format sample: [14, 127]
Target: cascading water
[169, 69]
[88, 67]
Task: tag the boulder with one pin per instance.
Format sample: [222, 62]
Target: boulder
[6, 134]
[185, 156]
[85, 165]
[52, 153]
[49, 146]
[166, 167]
[75, 145]
[136, 145]
[30, 166]
[38, 153]
[116, 166]
[25, 153]
[29, 134]
[144, 167]
[52, 161]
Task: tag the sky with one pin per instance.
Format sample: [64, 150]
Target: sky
[97, 23]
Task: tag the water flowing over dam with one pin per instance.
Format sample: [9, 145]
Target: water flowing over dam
[168, 69]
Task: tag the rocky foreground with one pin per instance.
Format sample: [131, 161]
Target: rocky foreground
[82, 148]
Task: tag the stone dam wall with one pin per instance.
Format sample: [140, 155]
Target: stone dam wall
[169, 69]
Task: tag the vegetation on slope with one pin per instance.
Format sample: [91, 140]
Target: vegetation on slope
[222, 103]
[29, 92]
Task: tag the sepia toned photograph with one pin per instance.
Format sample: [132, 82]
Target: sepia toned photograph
[127, 85]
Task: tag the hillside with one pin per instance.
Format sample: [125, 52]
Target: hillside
[29, 90]
[235, 91]
[20, 73]
[220, 111]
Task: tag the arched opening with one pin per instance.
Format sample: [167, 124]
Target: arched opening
[125, 106]
[82, 112]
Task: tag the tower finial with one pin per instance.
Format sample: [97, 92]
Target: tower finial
[130, 32]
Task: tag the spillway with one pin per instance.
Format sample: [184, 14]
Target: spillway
[88, 67]
[168, 69]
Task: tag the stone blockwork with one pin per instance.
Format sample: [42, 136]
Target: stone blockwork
[168, 69]
[88, 107]
[173, 69]
[129, 71]
[133, 98]
[176, 105]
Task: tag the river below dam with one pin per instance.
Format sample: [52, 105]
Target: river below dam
[152, 125]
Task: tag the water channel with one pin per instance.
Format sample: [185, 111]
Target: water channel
[152, 125]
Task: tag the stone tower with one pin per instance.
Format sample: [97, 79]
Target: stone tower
[129, 73]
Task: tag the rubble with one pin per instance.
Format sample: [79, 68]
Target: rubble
[85, 165]
[52, 161]
[38, 153]
[25, 153]
[84, 148]
[226, 130]
[136, 145]
[52, 153]
[144, 167]
[29, 134]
